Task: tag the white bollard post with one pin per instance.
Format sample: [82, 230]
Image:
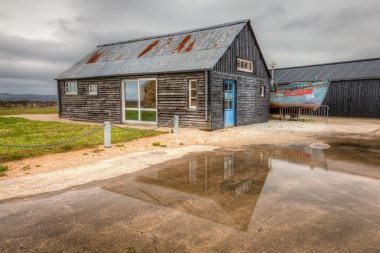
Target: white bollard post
[107, 134]
[176, 124]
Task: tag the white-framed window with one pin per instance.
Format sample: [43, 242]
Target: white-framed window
[262, 91]
[92, 89]
[244, 65]
[140, 100]
[193, 94]
[71, 88]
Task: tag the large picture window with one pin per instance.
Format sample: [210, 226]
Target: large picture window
[140, 100]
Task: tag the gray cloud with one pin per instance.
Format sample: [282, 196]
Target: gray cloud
[16, 47]
[291, 32]
[25, 86]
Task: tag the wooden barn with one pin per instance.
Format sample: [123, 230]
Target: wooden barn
[354, 90]
[211, 77]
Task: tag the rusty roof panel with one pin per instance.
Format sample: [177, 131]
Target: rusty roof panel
[93, 58]
[190, 47]
[185, 51]
[148, 48]
[182, 44]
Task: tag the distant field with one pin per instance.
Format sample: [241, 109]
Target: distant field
[23, 131]
[30, 110]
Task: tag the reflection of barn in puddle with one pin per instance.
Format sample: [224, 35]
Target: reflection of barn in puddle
[221, 187]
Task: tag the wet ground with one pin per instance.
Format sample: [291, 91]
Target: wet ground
[289, 198]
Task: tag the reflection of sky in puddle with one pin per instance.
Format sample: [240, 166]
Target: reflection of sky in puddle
[225, 186]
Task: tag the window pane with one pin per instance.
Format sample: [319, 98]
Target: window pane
[131, 114]
[147, 93]
[193, 85]
[73, 87]
[148, 115]
[193, 93]
[131, 94]
[193, 102]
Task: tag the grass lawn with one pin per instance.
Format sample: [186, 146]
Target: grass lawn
[23, 131]
[31, 110]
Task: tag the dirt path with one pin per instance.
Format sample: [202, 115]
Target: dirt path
[272, 132]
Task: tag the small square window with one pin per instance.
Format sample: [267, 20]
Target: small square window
[71, 88]
[92, 89]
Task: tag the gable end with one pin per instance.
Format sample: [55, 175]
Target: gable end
[244, 46]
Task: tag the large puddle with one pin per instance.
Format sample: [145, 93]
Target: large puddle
[254, 199]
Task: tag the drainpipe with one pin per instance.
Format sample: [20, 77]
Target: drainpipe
[206, 94]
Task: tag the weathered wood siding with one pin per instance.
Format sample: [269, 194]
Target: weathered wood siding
[354, 98]
[173, 99]
[250, 107]
[106, 106]
[244, 46]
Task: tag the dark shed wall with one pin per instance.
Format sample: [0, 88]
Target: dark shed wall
[354, 98]
[173, 99]
[244, 46]
[250, 107]
[106, 106]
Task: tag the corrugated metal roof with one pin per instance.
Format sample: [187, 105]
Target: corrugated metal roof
[184, 51]
[348, 70]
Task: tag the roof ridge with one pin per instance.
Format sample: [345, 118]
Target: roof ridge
[329, 63]
[176, 33]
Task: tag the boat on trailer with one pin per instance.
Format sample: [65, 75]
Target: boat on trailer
[299, 94]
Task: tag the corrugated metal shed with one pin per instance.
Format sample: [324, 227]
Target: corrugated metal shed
[184, 51]
[349, 70]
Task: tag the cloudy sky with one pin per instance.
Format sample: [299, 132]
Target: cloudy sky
[40, 39]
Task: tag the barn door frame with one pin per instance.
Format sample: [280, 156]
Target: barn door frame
[229, 103]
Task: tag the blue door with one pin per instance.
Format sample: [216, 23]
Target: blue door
[229, 103]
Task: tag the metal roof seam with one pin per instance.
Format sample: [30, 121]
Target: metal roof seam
[175, 33]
